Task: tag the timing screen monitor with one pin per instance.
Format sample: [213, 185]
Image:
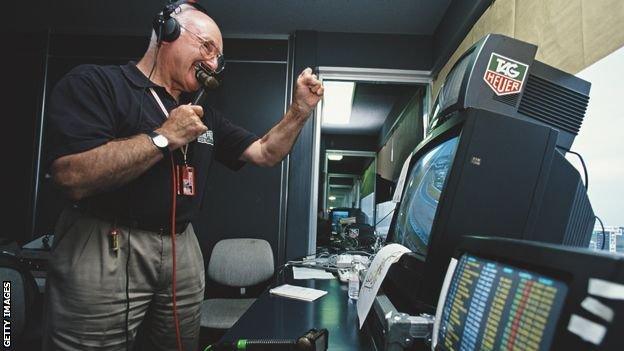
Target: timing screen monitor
[494, 306]
[424, 184]
[336, 216]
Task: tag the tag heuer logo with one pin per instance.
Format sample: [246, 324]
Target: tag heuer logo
[206, 138]
[504, 75]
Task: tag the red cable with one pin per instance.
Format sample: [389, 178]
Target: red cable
[173, 252]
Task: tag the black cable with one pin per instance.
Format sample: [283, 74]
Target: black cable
[353, 242]
[604, 234]
[582, 162]
[384, 217]
[282, 268]
[584, 168]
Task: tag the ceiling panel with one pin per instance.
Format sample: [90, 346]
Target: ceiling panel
[349, 165]
[372, 104]
[243, 17]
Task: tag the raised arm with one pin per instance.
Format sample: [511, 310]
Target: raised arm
[277, 143]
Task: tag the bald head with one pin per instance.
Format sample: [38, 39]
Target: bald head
[173, 64]
[189, 16]
[193, 19]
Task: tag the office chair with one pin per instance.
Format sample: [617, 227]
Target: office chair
[236, 263]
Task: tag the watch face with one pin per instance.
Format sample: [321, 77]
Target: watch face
[160, 141]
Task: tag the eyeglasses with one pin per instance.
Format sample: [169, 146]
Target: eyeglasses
[209, 51]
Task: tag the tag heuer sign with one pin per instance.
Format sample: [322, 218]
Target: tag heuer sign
[504, 75]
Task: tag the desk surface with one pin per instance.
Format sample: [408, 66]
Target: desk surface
[278, 317]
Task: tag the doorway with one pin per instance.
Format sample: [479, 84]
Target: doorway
[354, 128]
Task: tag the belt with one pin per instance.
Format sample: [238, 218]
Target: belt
[161, 229]
[133, 223]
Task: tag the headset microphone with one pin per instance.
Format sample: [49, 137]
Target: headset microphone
[207, 80]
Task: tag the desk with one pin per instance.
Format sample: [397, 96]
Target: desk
[282, 318]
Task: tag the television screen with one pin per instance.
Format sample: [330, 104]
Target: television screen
[495, 306]
[335, 220]
[424, 184]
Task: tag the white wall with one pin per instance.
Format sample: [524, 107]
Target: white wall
[601, 139]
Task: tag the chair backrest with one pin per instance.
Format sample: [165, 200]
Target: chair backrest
[241, 262]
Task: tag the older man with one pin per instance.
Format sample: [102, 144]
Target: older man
[133, 157]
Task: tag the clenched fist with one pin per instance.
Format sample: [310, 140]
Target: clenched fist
[183, 125]
[308, 91]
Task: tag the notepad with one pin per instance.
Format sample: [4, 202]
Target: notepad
[311, 273]
[297, 292]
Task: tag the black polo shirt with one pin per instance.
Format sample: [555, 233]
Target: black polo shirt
[93, 105]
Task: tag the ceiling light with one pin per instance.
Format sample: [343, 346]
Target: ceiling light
[337, 102]
[334, 157]
[332, 198]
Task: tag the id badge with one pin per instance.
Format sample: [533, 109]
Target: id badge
[186, 180]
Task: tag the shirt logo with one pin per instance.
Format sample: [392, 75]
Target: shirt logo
[504, 75]
[206, 138]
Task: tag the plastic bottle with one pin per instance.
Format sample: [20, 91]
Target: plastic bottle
[354, 284]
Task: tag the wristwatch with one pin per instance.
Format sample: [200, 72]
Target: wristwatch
[160, 141]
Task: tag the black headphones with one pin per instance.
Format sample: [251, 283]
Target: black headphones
[166, 27]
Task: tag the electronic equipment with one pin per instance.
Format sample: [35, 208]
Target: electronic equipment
[506, 294]
[336, 215]
[344, 261]
[500, 74]
[401, 331]
[313, 340]
[347, 221]
[484, 168]
[348, 260]
[166, 27]
[207, 80]
[362, 232]
[345, 215]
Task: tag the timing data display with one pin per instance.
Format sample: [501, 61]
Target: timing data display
[423, 187]
[492, 306]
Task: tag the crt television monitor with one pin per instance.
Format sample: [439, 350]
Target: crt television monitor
[449, 97]
[423, 186]
[501, 74]
[502, 294]
[484, 173]
[506, 173]
[336, 215]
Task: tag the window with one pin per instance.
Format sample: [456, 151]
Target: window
[601, 143]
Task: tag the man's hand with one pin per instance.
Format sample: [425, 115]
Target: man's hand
[183, 125]
[278, 142]
[308, 92]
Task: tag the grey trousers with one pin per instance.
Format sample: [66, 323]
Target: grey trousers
[85, 300]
